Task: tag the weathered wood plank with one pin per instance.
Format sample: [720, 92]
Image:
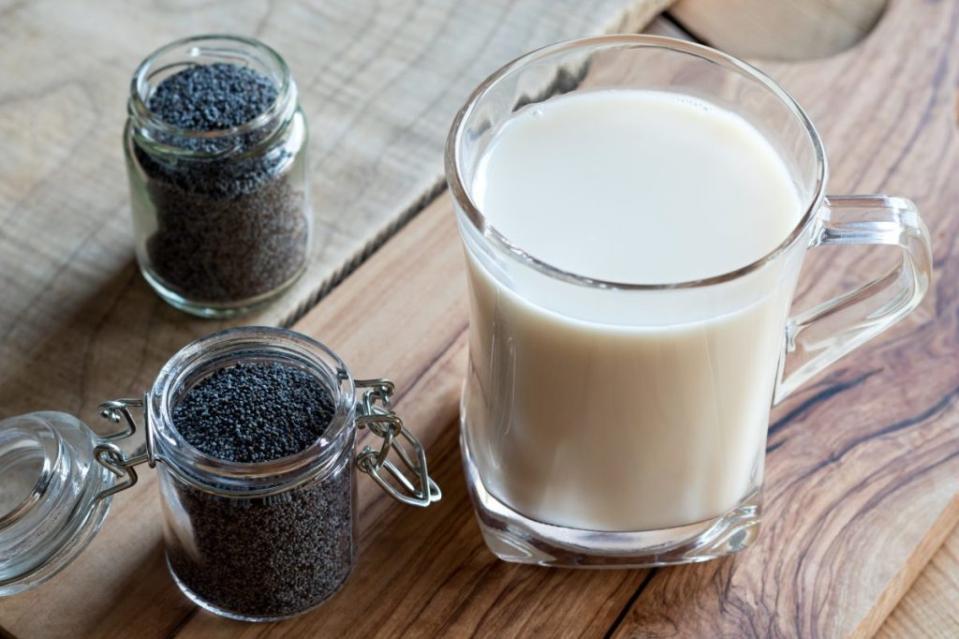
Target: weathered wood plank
[779, 30]
[931, 607]
[78, 324]
[74, 307]
[864, 470]
[379, 87]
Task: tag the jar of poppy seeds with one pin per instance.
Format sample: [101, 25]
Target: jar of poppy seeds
[216, 151]
[253, 433]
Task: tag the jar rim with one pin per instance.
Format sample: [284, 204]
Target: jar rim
[251, 478]
[146, 121]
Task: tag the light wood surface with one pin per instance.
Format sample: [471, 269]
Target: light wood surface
[379, 84]
[779, 29]
[878, 429]
[931, 607]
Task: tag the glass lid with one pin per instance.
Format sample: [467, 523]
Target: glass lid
[50, 495]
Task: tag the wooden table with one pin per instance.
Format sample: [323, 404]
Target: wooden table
[864, 466]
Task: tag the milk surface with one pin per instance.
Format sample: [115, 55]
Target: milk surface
[615, 422]
[636, 186]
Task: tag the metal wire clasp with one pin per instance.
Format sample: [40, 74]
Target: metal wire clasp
[111, 457]
[374, 413]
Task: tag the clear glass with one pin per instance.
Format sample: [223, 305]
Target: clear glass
[250, 541]
[221, 219]
[670, 384]
[50, 505]
[257, 541]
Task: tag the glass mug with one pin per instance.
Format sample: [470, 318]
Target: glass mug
[623, 423]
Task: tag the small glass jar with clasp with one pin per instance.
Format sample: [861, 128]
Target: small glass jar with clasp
[250, 541]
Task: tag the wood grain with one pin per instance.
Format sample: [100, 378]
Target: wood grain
[379, 87]
[850, 526]
[780, 29]
[931, 607]
[78, 324]
[863, 464]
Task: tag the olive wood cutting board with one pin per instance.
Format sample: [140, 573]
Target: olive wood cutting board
[862, 469]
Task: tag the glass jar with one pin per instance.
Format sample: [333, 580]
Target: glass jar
[249, 541]
[221, 218]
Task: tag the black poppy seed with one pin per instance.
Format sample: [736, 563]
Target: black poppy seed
[232, 227]
[261, 557]
[254, 412]
[212, 97]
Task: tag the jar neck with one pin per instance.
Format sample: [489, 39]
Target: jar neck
[262, 345]
[162, 138]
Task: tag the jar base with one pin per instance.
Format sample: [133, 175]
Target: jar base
[236, 616]
[516, 538]
[211, 310]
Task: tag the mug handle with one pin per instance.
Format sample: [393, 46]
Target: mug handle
[817, 337]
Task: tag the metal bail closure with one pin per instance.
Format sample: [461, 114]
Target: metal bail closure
[111, 457]
[374, 412]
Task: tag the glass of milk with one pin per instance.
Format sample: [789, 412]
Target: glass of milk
[635, 211]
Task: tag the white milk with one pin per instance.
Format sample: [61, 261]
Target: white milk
[633, 418]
